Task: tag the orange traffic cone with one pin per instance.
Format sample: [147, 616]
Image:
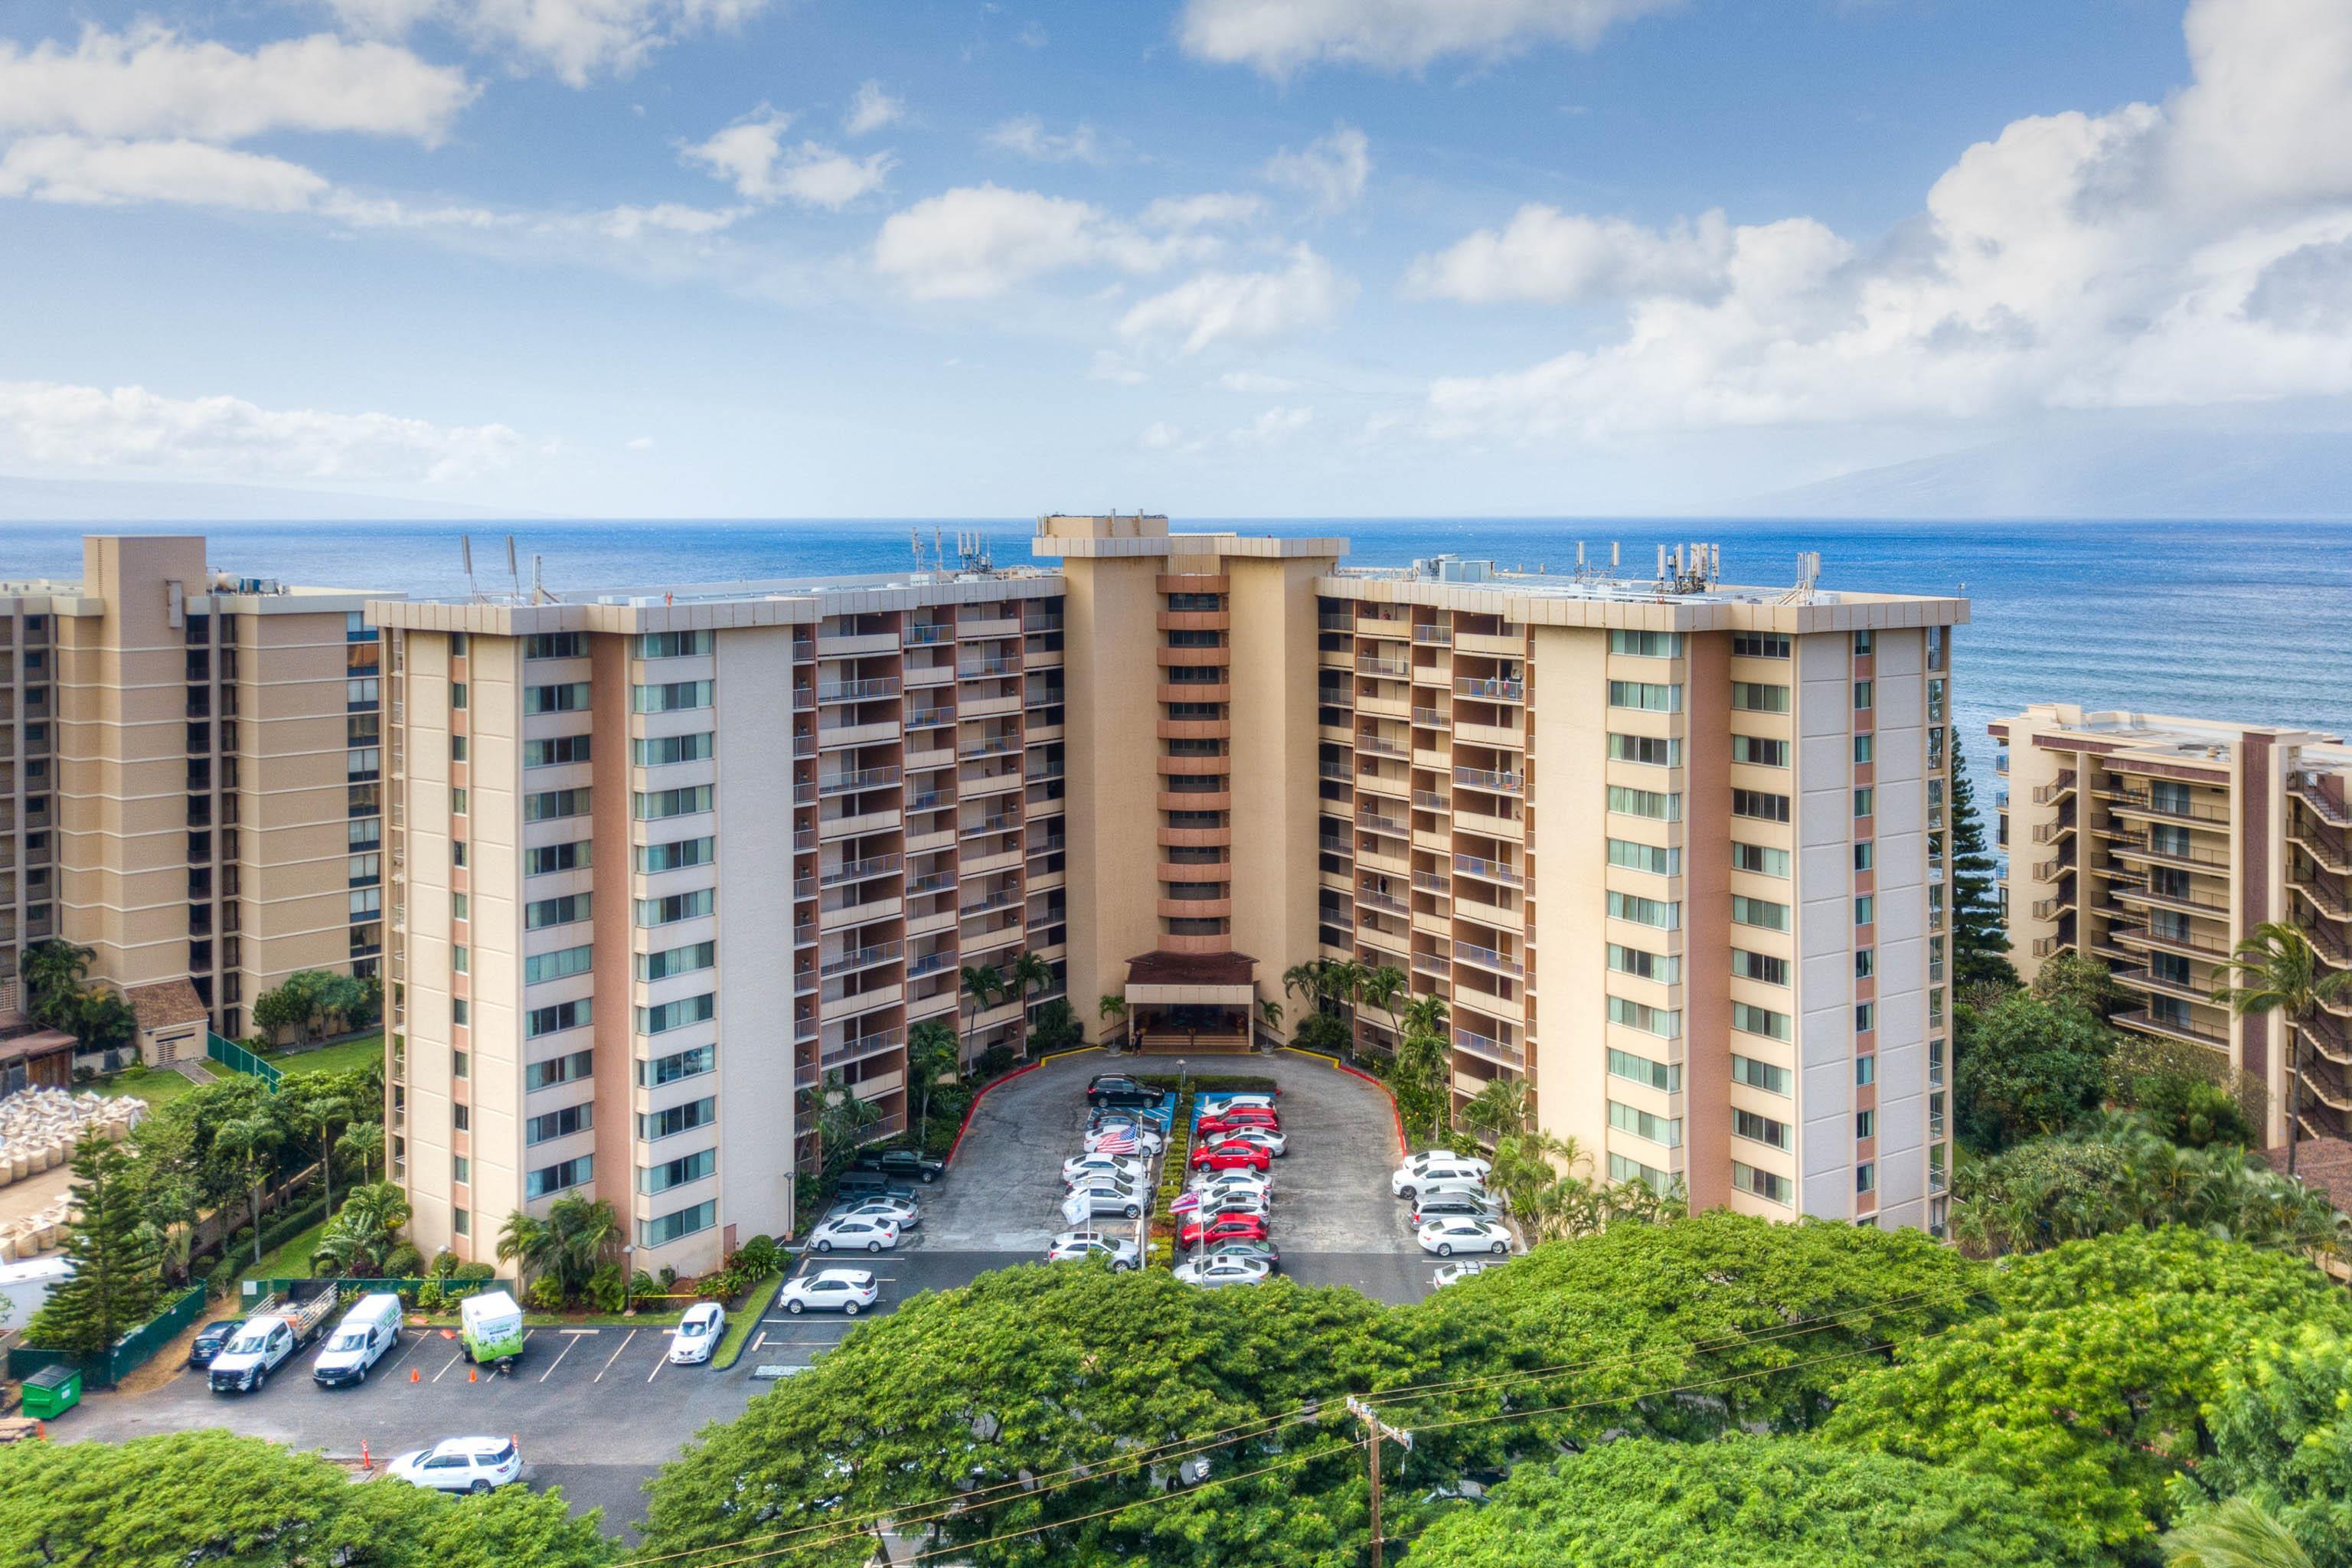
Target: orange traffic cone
[366, 1463]
[473, 1374]
[415, 1376]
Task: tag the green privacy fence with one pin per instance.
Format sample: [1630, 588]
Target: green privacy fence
[237, 1058]
[349, 1288]
[132, 1350]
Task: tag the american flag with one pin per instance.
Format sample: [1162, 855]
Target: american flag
[1116, 1143]
[1186, 1202]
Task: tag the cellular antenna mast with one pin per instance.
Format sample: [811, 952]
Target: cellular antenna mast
[514, 574]
[466, 555]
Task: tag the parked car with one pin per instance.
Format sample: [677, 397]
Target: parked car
[260, 1348]
[1265, 1250]
[1466, 1204]
[1103, 1116]
[1218, 1099]
[1266, 1137]
[848, 1291]
[1447, 1236]
[1437, 1176]
[872, 1184]
[1145, 1135]
[1118, 1088]
[847, 1234]
[1236, 1202]
[212, 1339]
[1101, 1196]
[1455, 1273]
[1230, 1157]
[1218, 1229]
[459, 1464]
[1125, 1167]
[1212, 1272]
[1073, 1246]
[1428, 1157]
[903, 1212]
[697, 1333]
[1233, 1182]
[1221, 1122]
[912, 1163]
[364, 1337]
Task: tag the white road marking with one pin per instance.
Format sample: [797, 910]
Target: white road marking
[758, 1339]
[571, 1337]
[453, 1362]
[659, 1361]
[615, 1356]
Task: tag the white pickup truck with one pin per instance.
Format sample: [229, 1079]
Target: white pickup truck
[272, 1333]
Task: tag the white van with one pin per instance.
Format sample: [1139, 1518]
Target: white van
[368, 1331]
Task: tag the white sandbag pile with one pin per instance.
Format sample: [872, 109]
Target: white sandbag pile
[38, 1129]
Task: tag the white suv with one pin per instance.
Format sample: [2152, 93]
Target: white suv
[1439, 1177]
[460, 1465]
[873, 1235]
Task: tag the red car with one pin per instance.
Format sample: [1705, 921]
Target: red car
[1220, 1228]
[1229, 1157]
[1239, 1116]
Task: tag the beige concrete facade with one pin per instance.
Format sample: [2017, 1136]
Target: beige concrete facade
[192, 780]
[2158, 844]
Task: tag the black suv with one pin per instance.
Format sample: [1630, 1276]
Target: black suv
[212, 1340]
[901, 1163]
[1116, 1089]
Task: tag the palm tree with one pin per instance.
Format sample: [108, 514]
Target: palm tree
[932, 1049]
[363, 1144]
[983, 987]
[315, 1102]
[1270, 1012]
[1028, 971]
[526, 1242]
[2237, 1532]
[842, 1119]
[53, 971]
[2279, 972]
[1305, 979]
[251, 1144]
[580, 1231]
[1497, 1111]
[1384, 987]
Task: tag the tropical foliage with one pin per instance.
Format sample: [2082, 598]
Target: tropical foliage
[1979, 942]
[314, 1000]
[362, 1241]
[2278, 970]
[566, 1248]
[2028, 1067]
[58, 996]
[118, 1277]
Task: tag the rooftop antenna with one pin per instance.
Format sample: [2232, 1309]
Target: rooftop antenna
[539, 591]
[938, 550]
[465, 554]
[514, 576]
[915, 543]
[1809, 573]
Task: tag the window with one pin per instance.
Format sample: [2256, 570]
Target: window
[461, 1169]
[1656, 913]
[457, 803]
[550, 858]
[1760, 1075]
[1664, 968]
[1647, 644]
[1865, 853]
[1865, 1177]
[1760, 912]
[670, 698]
[1866, 909]
[1863, 644]
[1760, 966]
[1864, 748]
[541, 913]
[670, 1227]
[561, 1069]
[1648, 695]
[675, 908]
[1623, 1168]
[1760, 751]
[560, 965]
[1762, 1184]
[675, 856]
[461, 1066]
[1665, 1130]
[1865, 1071]
[1761, 858]
[1760, 1128]
[365, 834]
[1866, 1124]
[676, 960]
[572, 697]
[457, 694]
[461, 1222]
[576, 1171]
[1648, 858]
[461, 1012]
[1660, 1021]
[561, 1015]
[366, 868]
[1865, 962]
[677, 1172]
[1759, 804]
[456, 748]
[1865, 1017]
[668, 749]
[555, 645]
[1652, 804]
[550, 806]
[458, 644]
[677, 1015]
[555, 751]
[682, 1064]
[1861, 695]
[677, 1118]
[1750, 1019]
[1665, 1076]
[1759, 645]
[672, 644]
[1866, 801]
[559, 1123]
[1750, 697]
[458, 905]
[656, 806]
[1651, 751]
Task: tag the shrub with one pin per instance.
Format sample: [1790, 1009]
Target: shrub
[445, 1264]
[241, 1239]
[430, 1297]
[546, 1293]
[476, 1273]
[403, 1262]
[996, 1062]
[668, 1277]
[759, 1255]
[606, 1287]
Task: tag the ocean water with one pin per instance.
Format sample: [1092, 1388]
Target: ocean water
[2249, 621]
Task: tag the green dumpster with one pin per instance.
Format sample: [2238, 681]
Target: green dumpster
[51, 1391]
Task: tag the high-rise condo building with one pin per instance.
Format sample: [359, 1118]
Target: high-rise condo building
[190, 782]
[2155, 844]
[1672, 853]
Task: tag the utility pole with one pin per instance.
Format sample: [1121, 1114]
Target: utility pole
[1379, 1429]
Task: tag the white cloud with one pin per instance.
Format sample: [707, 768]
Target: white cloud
[2192, 253]
[1279, 36]
[130, 427]
[1241, 307]
[578, 40]
[1112, 366]
[668, 217]
[1026, 134]
[1275, 425]
[871, 109]
[71, 169]
[148, 82]
[979, 240]
[750, 155]
[1159, 436]
[1256, 382]
[1214, 209]
[1330, 173]
[640, 444]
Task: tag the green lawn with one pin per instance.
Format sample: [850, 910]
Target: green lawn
[153, 1085]
[341, 1057]
[292, 1261]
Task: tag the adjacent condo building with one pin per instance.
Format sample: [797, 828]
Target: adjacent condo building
[673, 868]
[2155, 844]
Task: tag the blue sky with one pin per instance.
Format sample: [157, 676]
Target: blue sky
[773, 257]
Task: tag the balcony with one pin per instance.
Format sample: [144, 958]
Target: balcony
[867, 778]
[863, 958]
[1487, 958]
[2170, 1028]
[859, 871]
[2134, 845]
[1431, 718]
[2187, 904]
[1491, 779]
[2043, 794]
[2138, 803]
[860, 690]
[1489, 1049]
[1492, 691]
[1378, 824]
[1486, 870]
[1380, 748]
[1433, 636]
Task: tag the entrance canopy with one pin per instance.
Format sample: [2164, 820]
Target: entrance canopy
[1192, 980]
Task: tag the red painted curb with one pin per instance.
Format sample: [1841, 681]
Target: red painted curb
[965, 1126]
[1393, 1115]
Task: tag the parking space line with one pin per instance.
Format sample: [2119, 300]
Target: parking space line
[453, 1362]
[570, 1337]
[615, 1356]
[415, 1343]
[659, 1361]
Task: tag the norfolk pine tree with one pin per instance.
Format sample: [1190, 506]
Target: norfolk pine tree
[118, 1275]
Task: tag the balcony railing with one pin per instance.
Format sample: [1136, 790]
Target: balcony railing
[1486, 1046]
[2132, 800]
[867, 778]
[1492, 689]
[1490, 778]
[1493, 870]
[1435, 636]
[1487, 957]
[858, 690]
[2175, 1029]
[864, 958]
[858, 870]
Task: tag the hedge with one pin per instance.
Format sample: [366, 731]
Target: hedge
[1175, 1169]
